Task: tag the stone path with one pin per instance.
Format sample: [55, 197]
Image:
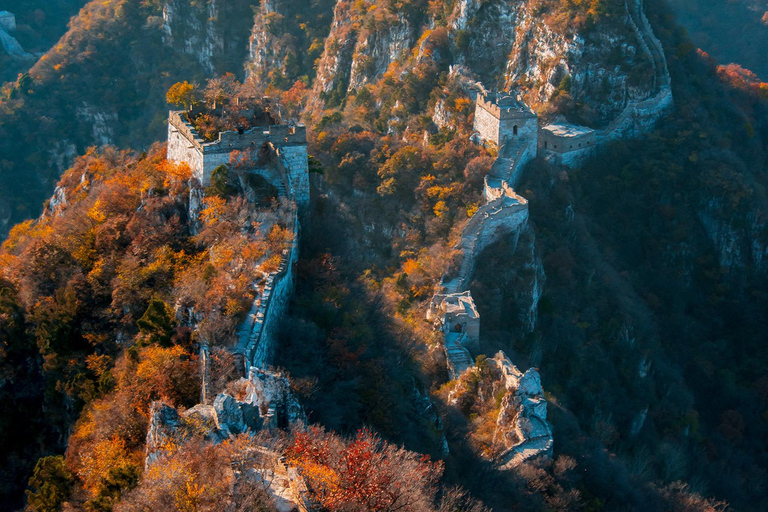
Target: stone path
[459, 358]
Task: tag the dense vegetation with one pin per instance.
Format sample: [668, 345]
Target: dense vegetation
[105, 82]
[102, 298]
[39, 24]
[640, 310]
[609, 315]
[735, 31]
[102, 305]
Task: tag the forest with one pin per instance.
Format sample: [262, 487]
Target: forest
[649, 333]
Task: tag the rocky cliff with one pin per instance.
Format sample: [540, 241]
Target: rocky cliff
[215, 33]
[592, 71]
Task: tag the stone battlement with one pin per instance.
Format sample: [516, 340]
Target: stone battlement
[504, 120]
[504, 106]
[258, 332]
[496, 188]
[232, 140]
[287, 145]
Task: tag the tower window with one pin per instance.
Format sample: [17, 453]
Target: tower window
[514, 130]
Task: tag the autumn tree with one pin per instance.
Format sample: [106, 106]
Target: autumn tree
[221, 89]
[50, 485]
[364, 473]
[158, 323]
[182, 94]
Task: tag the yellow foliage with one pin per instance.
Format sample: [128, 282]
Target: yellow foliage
[30, 229]
[472, 209]
[95, 213]
[440, 209]
[154, 358]
[96, 464]
[272, 263]
[411, 266]
[462, 105]
[177, 171]
[232, 307]
[319, 476]
[187, 498]
[181, 93]
[213, 209]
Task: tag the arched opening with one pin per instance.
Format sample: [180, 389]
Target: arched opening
[514, 130]
[457, 328]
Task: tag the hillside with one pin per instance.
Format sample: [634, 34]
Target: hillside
[39, 24]
[729, 31]
[422, 315]
[104, 83]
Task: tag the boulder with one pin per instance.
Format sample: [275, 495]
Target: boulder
[163, 425]
[229, 414]
[7, 21]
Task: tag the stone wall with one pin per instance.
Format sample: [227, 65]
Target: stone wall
[258, 332]
[638, 117]
[186, 145]
[293, 160]
[500, 218]
[486, 124]
[505, 126]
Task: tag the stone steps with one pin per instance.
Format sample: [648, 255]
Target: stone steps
[459, 359]
[526, 451]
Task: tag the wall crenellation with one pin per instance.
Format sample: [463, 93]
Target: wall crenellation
[287, 142]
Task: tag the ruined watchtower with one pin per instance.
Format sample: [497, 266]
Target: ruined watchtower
[455, 313]
[503, 118]
[286, 146]
[567, 143]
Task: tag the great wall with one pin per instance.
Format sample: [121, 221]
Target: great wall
[268, 401]
[503, 121]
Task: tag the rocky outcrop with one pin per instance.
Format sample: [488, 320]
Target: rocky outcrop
[264, 55]
[103, 123]
[265, 402]
[8, 42]
[738, 243]
[359, 49]
[522, 431]
[378, 47]
[608, 67]
[215, 33]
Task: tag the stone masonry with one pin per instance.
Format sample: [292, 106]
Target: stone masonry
[287, 143]
[502, 118]
[567, 143]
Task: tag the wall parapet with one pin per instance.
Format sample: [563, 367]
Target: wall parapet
[256, 334]
[514, 110]
[231, 140]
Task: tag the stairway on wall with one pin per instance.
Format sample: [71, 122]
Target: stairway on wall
[505, 166]
[459, 359]
[527, 450]
[648, 42]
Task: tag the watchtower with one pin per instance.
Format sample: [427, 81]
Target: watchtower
[286, 143]
[503, 118]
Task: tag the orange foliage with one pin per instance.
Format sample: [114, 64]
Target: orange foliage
[176, 171]
[365, 473]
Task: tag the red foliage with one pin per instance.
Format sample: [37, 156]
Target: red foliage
[364, 474]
